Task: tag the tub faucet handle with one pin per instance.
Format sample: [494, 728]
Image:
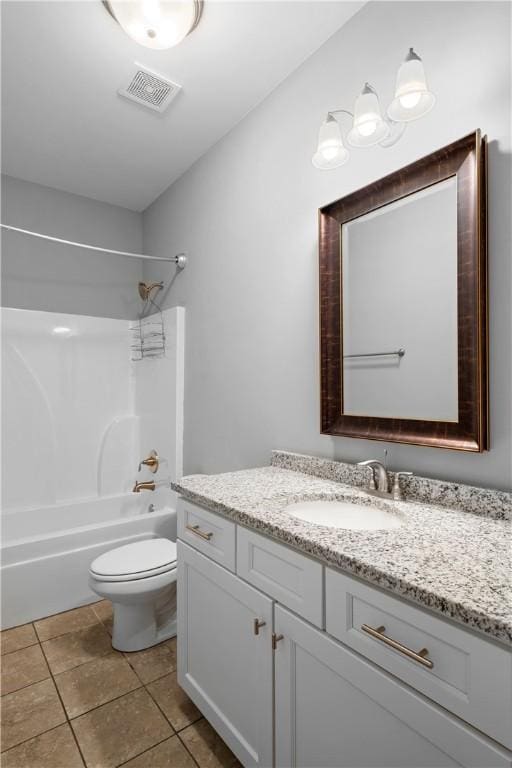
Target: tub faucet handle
[152, 462]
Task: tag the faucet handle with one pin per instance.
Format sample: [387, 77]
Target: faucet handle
[397, 491]
[370, 464]
[152, 462]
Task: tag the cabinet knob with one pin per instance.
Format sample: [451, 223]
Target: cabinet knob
[257, 623]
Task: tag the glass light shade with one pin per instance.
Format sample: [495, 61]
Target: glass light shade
[412, 97]
[369, 127]
[330, 152]
[157, 24]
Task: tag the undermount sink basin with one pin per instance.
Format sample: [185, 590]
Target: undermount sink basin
[344, 514]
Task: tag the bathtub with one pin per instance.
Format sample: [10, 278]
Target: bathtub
[46, 572]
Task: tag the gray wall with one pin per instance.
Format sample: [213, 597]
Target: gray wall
[59, 278]
[247, 215]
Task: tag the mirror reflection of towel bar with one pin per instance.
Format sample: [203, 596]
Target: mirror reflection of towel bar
[400, 352]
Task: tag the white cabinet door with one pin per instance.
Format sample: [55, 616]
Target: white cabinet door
[336, 710]
[223, 665]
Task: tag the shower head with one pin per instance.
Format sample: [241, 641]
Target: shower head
[145, 289]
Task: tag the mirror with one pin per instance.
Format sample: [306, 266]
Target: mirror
[399, 276]
[403, 304]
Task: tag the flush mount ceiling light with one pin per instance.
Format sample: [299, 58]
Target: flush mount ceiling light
[369, 126]
[156, 24]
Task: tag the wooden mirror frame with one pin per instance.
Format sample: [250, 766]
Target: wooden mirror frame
[466, 160]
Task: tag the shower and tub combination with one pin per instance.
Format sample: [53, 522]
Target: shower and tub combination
[84, 401]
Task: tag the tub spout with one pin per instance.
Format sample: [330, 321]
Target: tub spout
[148, 485]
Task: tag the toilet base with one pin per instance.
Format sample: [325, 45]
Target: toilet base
[144, 609]
[135, 628]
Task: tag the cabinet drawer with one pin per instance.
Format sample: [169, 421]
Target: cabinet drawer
[291, 578]
[211, 534]
[464, 673]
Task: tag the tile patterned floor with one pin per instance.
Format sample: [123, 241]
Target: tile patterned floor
[69, 700]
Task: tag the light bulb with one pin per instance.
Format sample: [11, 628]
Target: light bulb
[412, 97]
[328, 152]
[367, 128]
[410, 100]
[157, 24]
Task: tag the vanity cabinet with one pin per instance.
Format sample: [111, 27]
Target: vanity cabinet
[281, 691]
[224, 658]
[333, 708]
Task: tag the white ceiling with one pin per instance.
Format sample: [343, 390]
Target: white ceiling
[62, 62]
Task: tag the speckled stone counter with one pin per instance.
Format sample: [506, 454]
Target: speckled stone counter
[456, 563]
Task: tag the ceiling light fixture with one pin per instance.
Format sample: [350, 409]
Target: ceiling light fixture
[369, 126]
[156, 24]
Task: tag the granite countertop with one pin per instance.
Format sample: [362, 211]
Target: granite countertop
[453, 562]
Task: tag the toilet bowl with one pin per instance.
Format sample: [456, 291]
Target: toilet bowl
[140, 581]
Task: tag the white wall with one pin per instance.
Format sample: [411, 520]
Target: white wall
[59, 278]
[247, 215]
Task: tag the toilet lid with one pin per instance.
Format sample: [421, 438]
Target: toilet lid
[140, 558]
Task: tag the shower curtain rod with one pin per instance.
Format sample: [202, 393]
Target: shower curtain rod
[179, 260]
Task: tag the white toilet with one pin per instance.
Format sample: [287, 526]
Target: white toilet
[140, 580]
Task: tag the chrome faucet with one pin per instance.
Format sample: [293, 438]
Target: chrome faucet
[379, 480]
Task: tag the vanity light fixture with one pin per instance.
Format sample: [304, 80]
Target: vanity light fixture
[412, 97]
[330, 152]
[156, 24]
[369, 126]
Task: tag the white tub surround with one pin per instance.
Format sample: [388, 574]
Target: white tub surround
[78, 417]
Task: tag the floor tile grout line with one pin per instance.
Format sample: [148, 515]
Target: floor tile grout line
[68, 721]
[17, 650]
[159, 708]
[104, 704]
[176, 732]
[83, 663]
[25, 741]
[69, 632]
[118, 765]
[64, 722]
[61, 613]
[22, 688]
[186, 746]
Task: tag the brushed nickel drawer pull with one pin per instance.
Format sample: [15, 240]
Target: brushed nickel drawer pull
[206, 535]
[418, 656]
[257, 624]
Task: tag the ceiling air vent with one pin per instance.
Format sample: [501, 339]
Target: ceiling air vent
[150, 89]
